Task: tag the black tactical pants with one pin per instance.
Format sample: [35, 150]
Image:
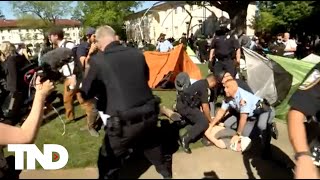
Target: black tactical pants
[227, 65]
[197, 119]
[143, 136]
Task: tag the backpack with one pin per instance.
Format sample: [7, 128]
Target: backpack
[78, 68]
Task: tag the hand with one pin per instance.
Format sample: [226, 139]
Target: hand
[305, 169]
[235, 139]
[212, 119]
[93, 48]
[44, 88]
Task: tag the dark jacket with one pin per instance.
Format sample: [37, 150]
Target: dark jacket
[13, 71]
[119, 77]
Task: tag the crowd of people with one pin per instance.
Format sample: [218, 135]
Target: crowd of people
[110, 79]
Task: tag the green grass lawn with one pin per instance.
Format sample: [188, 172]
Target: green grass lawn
[83, 148]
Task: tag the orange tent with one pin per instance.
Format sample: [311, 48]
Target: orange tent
[176, 61]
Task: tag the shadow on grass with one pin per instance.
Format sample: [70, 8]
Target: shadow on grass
[278, 166]
[210, 175]
[137, 164]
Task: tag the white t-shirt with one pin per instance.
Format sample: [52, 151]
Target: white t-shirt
[289, 45]
[65, 70]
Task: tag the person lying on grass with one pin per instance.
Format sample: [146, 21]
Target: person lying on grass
[221, 137]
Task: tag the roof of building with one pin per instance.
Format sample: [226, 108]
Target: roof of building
[10, 23]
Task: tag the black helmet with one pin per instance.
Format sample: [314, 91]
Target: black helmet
[182, 81]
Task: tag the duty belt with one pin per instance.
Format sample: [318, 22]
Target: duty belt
[261, 107]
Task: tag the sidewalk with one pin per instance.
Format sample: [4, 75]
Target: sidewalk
[212, 161]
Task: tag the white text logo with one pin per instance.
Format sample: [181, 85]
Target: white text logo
[54, 156]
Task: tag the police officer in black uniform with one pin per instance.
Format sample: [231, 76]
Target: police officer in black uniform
[224, 49]
[188, 106]
[305, 103]
[123, 74]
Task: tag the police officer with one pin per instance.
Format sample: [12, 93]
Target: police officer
[189, 102]
[223, 48]
[123, 74]
[224, 76]
[245, 110]
[305, 102]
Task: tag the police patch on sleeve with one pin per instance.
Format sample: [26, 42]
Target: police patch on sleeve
[312, 79]
[243, 102]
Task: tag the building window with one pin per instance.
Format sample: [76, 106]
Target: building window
[74, 34]
[176, 10]
[183, 10]
[191, 7]
[2, 38]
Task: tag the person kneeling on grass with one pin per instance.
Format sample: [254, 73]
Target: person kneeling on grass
[246, 111]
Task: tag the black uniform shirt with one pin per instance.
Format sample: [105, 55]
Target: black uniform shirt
[123, 74]
[307, 98]
[224, 46]
[202, 87]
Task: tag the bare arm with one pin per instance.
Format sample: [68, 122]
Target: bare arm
[83, 59]
[206, 111]
[297, 134]
[242, 122]
[220, 114]
[28, 131]
[211, 55]
[297, 131]
[238, 55]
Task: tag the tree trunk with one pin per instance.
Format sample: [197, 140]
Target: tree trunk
[238, 20]
[188, 30]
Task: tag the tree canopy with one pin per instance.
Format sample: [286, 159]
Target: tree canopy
[2, 15]
[280, 16]
[46, 11]
[95, 13]
[237, 11]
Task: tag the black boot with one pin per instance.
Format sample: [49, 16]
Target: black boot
[185, 140]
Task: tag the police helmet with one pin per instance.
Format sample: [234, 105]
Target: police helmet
[182, 81]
